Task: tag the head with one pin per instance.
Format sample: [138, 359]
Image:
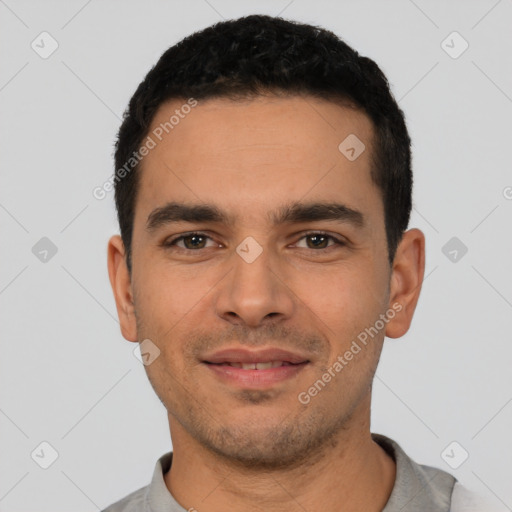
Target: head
[285, 152]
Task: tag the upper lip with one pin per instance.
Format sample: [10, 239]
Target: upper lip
[238, 355]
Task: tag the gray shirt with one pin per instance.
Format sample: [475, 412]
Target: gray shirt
[417, 487]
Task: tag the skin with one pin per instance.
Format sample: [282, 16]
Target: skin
[254, 450]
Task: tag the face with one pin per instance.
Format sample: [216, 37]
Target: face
[286, 263]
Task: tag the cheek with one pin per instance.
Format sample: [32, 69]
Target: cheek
[339, 298]
[346, 297]
[166, 293]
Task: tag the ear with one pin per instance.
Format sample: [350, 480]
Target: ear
[120, 281]
[406, 280]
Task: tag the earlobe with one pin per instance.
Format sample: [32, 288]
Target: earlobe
[120, 280]
[406, 280]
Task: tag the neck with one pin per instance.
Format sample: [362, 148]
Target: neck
[352, 473]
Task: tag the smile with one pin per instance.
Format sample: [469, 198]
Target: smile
[259, 375]
[255, 366]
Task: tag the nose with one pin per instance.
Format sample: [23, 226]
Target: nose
[255, 292]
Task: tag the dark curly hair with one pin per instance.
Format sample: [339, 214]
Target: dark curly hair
[257, 54]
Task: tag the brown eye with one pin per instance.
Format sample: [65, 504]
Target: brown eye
[318, 240]
[191, 241]
[194, 241]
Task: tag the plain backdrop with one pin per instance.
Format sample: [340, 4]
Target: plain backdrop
[69, 379]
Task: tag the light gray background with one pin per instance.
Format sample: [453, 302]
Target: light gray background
[67, 375]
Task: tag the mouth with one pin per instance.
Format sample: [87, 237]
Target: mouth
[264, 365]
[265, 358]
[255, 370]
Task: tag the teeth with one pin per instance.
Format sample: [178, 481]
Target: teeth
[264, 366]
[258, 366]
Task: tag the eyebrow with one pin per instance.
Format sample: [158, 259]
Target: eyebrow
[292, 213]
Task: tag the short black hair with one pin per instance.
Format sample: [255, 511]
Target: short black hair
[259, 54]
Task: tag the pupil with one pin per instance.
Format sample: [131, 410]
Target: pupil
[193, 237]
[316, 237]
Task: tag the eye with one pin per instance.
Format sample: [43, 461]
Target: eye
[191, 241]
[320, 239]
[195, 241]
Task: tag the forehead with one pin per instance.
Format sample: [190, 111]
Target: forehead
[250, 154]
[306, 125]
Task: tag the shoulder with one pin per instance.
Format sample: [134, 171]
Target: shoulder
[156, 492]
[133, 502]
[465, 500]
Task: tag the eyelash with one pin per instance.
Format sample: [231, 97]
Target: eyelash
[172, 242]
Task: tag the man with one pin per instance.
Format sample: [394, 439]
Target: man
[263, 187]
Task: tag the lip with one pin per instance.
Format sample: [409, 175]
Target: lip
[238, 355]
[254, 379]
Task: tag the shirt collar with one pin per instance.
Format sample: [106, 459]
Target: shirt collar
[417, 487]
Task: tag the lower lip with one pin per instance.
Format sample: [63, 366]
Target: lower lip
[255, 379]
